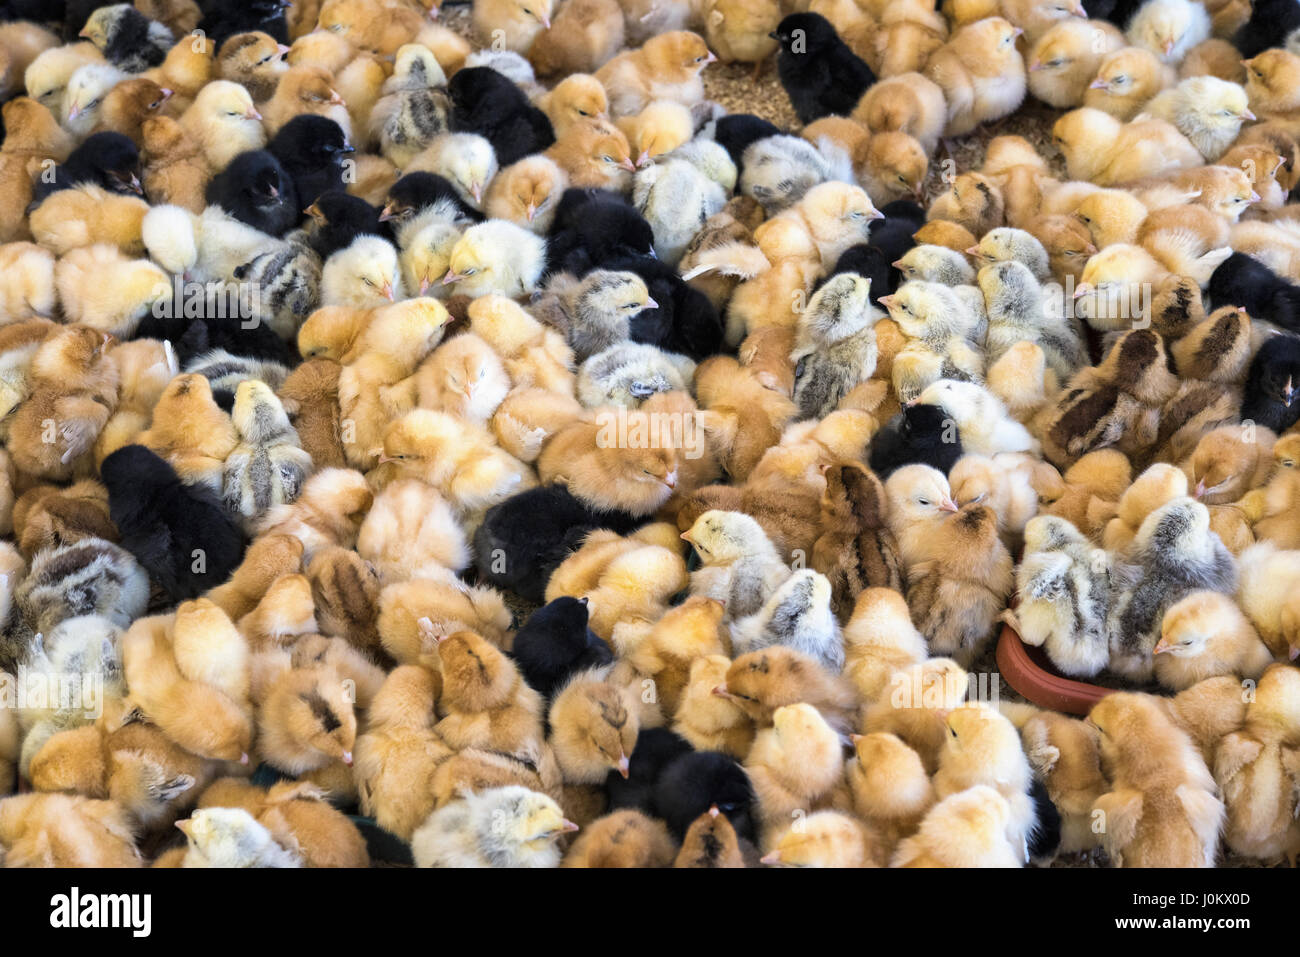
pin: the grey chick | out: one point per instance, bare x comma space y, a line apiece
269, 466
1064, 584
835, 346
594, 312
500, 827
629, 373
231, 837
799, 616
1174, 553
738, 562
281, 287
413, 108
1018, 311
88, 577
225, 370
778, 170
939, 264
676, 199
1008, 244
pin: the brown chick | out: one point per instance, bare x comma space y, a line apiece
174, 169
129, 104
856, 549
1228, 462
635, 480
710, 841
413, 613
796, 766
1161, 810
328, 511
73, 383
981, 73
594, 727
741, 417
527, 193
915, 708
682, 635
305, 90
1271, 84
1205, 635
33, 142
942, 232
625, 838
576, 99
185, 70
1064, 755
594, 153
826, 839
485, 702
255, 61
47, 516
762, 681
889, 784
906, 103
583, 36
1257, 769
191, 431
268, 558
712, 722
398, 752
310, 397
298, 817
973, 201
306, 725
59, 830
665, 67
285, 613
196, 715
1125, 80
345, 593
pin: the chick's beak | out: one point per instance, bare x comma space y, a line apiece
643, 158
1035, 67
252, 114
1168, 47
628, 165
623, 765
388, 291
1082, 290
710, 59
650, 304
386, 214
476, 190
424, 286
567, 825
347, 758
1199, 490
531, 211
886, 301
1294, 653
1098, 84
772, 857
335, 99
948, 505
74, 112
450, 278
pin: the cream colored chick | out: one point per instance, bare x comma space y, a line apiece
930, 263
1205, 109
512, 24
966, 829
739, 564
1169, 28
795, 765
1101, 149
594, 727
496, 257
412, 532
106, 290
231, 837
938, 325
890, 788
463, 377
466, 160
1205, 635
1161, 810
364, 275
981, 73
798, 615
919, 497
224, 122
825, 839
500, 827
85, 94
459, 459
1002, 482
879, 639
1126, 80
676, 199
980, 417
1257, 768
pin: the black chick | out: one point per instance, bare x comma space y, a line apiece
555, 642
1118, 12
76, 13
255, 189
132, 42
736, 132
192, 336
523, 539
488, 103
592, 226
819, 72
869, 263
222, 19
108, 160
338, 218
1272, 396
417, 191
37, 11
684, 320
1242, 280
312, 150
893, 233
918, 434
1271, 21
655, 749
179, 533
690, 784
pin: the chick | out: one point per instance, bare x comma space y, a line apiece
635, 477
1161, 810
1064, 755
122, 292
825, 839
223, 122
191, 431
1203, 635
499, 827
856, 549
739, 564
835, 346
594, 313
58, 830
584, 36
1176, 553
1169, 28
466, 160
496, 257
1205, 109
1101, 149
981, 73
516, 23
463, 377
1252, 765
269, 466
710, 842
231, 837
329, 511
798, 615
86, 215
981, 420
623, 839
762, 681
484, 701
306, 721
1064, 584
966, 829
255, 61
936, 323
1126, 80
794, 765
1064, 60
594, 726
1004, 483
906, 103
665, 67
811, 53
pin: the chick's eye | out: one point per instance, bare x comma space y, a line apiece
583, 113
